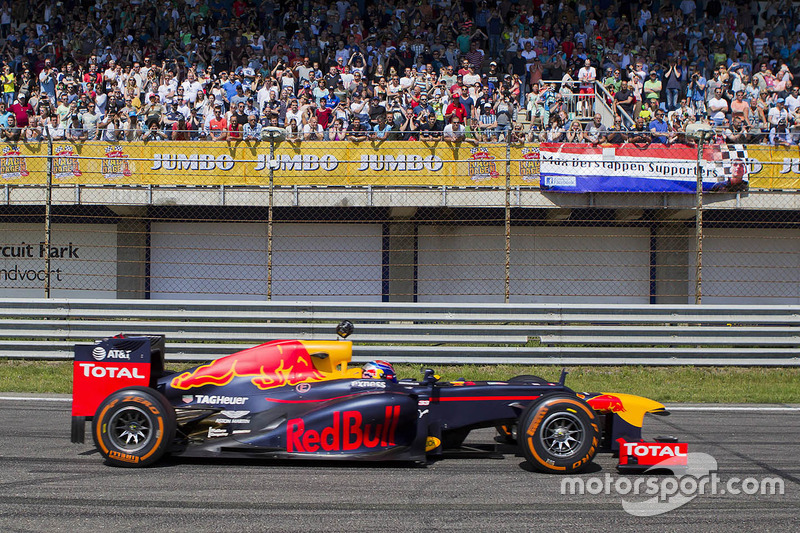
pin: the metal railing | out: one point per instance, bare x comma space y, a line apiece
560, 334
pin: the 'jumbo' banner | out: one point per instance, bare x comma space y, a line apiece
564, 167
338, 163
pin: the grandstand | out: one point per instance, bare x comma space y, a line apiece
589, 151
323, 69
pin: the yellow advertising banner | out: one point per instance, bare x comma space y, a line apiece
341, 163
335, 163
774, 167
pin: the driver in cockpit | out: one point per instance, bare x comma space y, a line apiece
378, 370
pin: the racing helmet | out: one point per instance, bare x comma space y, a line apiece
378, 370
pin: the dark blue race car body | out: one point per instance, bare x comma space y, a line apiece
299, 399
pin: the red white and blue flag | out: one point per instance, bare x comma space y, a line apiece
633, 168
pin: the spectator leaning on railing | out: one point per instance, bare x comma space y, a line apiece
369, 59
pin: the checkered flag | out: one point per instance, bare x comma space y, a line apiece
735, 169
732, 153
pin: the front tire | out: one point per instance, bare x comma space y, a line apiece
134, 427
507, 433
559, 434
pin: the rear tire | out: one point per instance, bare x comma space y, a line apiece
559, 434
134, 427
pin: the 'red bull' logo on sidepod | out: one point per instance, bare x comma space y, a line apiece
346, 433
606, 402
271, 365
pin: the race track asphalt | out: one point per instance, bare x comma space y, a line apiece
49, 484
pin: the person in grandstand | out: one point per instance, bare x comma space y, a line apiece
75, 131
586, 76
154, 133
718, 107
575, 132
312, 131
677, 131
595, 132
218, 125
639, 134
658, 126
779, 134
235, 128
253, 129
778, 113
11, 133
21, 110
454, 132
431, 129
555, 131
624, 100
110, 128
356, 132
410, 127
617, 133
380, 132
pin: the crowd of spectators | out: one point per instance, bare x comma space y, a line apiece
455, 70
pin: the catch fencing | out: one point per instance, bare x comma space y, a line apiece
508, 219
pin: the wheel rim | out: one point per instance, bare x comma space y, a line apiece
130, 429
562, 434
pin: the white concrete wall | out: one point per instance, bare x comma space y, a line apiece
84, 264
756, 266
328, 262
310, 261
548, 264
203, 260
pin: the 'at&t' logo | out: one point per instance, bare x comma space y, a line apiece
346, 433
482, 165
12, 164
100, 353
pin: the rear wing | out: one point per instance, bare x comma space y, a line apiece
108, 365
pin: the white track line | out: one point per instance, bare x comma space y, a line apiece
34, 399
669, 408
731, 408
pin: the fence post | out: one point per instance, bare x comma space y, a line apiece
48, 204
269, 214
698, 225
507, 286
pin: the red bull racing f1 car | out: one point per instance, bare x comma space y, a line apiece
301, 399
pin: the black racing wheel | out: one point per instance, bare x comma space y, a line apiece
507, 433
559, 434
134, 427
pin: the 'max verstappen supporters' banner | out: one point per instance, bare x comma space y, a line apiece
662, 168
564, 167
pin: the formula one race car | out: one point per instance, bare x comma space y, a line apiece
299, 399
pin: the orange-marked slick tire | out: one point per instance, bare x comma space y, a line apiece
134, 427
559, 434
508, 432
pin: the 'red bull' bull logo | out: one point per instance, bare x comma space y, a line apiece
346, 433
271, 365
606, 403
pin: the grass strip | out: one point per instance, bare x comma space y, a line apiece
665, 384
